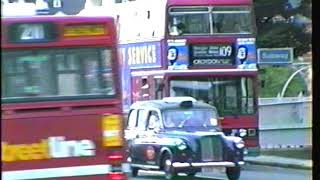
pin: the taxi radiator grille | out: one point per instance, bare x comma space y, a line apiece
211, 148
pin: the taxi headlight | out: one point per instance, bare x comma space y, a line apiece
240, 144
181, 145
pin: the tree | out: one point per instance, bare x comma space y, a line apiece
288, 32
273, 79
282, 23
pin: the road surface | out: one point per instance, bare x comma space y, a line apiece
250, 172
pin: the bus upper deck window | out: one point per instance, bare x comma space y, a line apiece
210, 20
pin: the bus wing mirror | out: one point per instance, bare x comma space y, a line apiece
220, 119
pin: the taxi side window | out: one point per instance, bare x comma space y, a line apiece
132, 120
142, 119
154, 120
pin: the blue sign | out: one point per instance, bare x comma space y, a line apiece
141, 55
275, 56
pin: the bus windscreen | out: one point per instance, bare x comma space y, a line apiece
50, 74
210, 20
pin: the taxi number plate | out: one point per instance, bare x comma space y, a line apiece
213, 170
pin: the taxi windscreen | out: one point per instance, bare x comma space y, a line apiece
179, 118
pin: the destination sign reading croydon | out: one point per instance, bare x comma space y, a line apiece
211, 55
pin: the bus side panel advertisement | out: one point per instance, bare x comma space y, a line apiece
246, 52
48, 142
178, 54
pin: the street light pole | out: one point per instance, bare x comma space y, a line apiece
290, 78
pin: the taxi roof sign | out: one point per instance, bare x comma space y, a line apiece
179, 99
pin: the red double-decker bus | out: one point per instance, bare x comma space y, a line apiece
200, 48
61, 111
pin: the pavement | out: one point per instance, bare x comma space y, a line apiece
279, 162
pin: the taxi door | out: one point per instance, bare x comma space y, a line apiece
135, 133
152, 141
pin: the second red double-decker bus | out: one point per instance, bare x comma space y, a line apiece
200, 48
61, 111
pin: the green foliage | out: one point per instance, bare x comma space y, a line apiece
284, 35
273, 80
268, 8
281, 34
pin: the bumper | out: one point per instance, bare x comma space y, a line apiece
207, 164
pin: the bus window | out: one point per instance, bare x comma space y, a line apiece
230, 95
57, 72
231, 20
210, 20
189, 21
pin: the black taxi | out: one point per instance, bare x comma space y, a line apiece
180, 135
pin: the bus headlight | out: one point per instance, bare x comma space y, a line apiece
112, 131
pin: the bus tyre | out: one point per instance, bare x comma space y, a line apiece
169, 171
233, 173
134, 171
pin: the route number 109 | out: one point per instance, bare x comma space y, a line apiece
225, 51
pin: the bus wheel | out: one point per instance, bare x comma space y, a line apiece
167, 167
233, 173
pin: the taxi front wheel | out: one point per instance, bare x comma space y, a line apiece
134, 171
233, 173
169, 171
